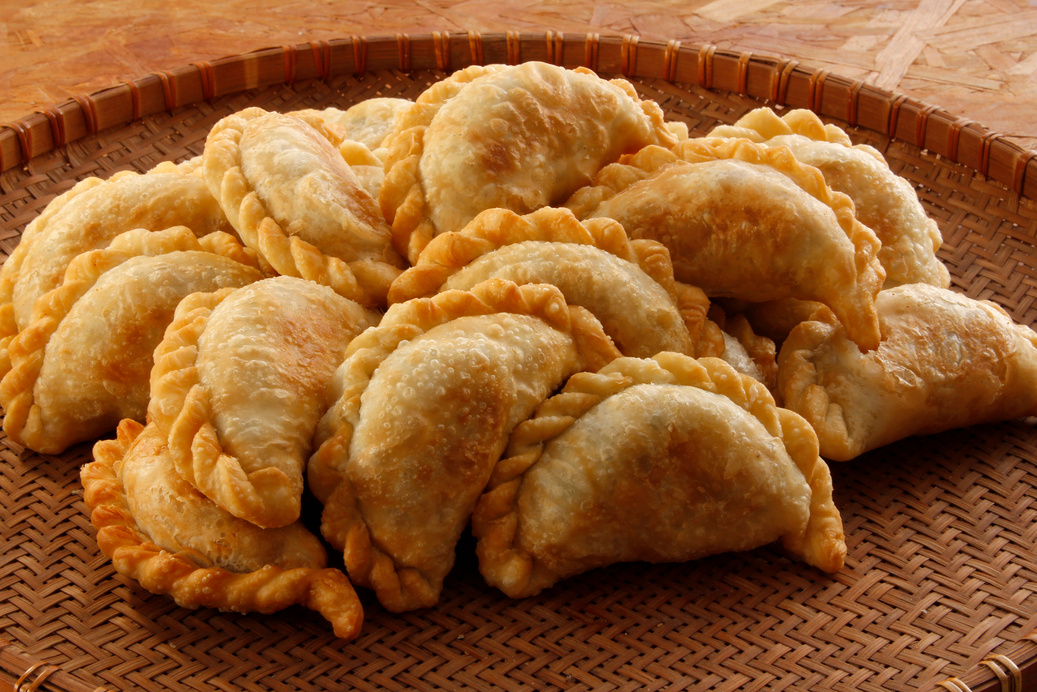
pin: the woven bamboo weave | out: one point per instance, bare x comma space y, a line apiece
940, 587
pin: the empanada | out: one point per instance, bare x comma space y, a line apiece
239, 385
425, 403
342, 128
884, 202
744, 221
368, 121
628, 286
294, 199
161, 532
83, 361
660, 460
750, 353
518, 137
945, 361
87, 217
773, 319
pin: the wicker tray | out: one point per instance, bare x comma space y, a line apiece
940, 585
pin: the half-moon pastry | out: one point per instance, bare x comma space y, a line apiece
773, 319
239, 385
426, 401
945, 361
367, 122
628, 286
750, 353
161, 532
661, 460
357, 133
884, 201
293, 198
748, 222
518, 137
83, 362
87, 217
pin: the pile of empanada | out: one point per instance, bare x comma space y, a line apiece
523, 304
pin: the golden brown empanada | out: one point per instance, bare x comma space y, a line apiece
773, 319
744, 221
515, 137
365, 165
945, 361
294, 199
191, 166
660, 460
367, 122
239, 385
87, 217
750, 353
161, 532
365, 161
83, 361
425, 403
628, 286
884, 202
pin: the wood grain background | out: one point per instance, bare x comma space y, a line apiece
975, 58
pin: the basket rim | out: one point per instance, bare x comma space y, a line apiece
779, 81
784, 82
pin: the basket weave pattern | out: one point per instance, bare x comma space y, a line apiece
940, 586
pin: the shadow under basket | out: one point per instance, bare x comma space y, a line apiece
939, 591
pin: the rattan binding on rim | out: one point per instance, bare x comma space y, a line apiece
38, 675
784, 82
941, 592
1008, 676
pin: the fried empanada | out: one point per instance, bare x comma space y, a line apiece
425, 403
628, 286
744, 221
773, 319
515, 137
750, 353
884, 201
158, 530
945, 361
293, 198
87, 217
239, 385
661, 460
83, 361
367, 122
342, 129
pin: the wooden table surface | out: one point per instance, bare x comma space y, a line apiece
975, 58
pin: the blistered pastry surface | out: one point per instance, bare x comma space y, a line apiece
946, 361
503, 242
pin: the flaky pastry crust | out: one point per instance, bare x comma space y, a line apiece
224, 563
627, 285
87, 217
368, 122
774, 319
945, 361
339, 127
293, 198
425, 402
83, 361
883, 201
746, 221
663, 459
238, 386
750, 353
515, 137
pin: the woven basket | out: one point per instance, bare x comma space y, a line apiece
940, 586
